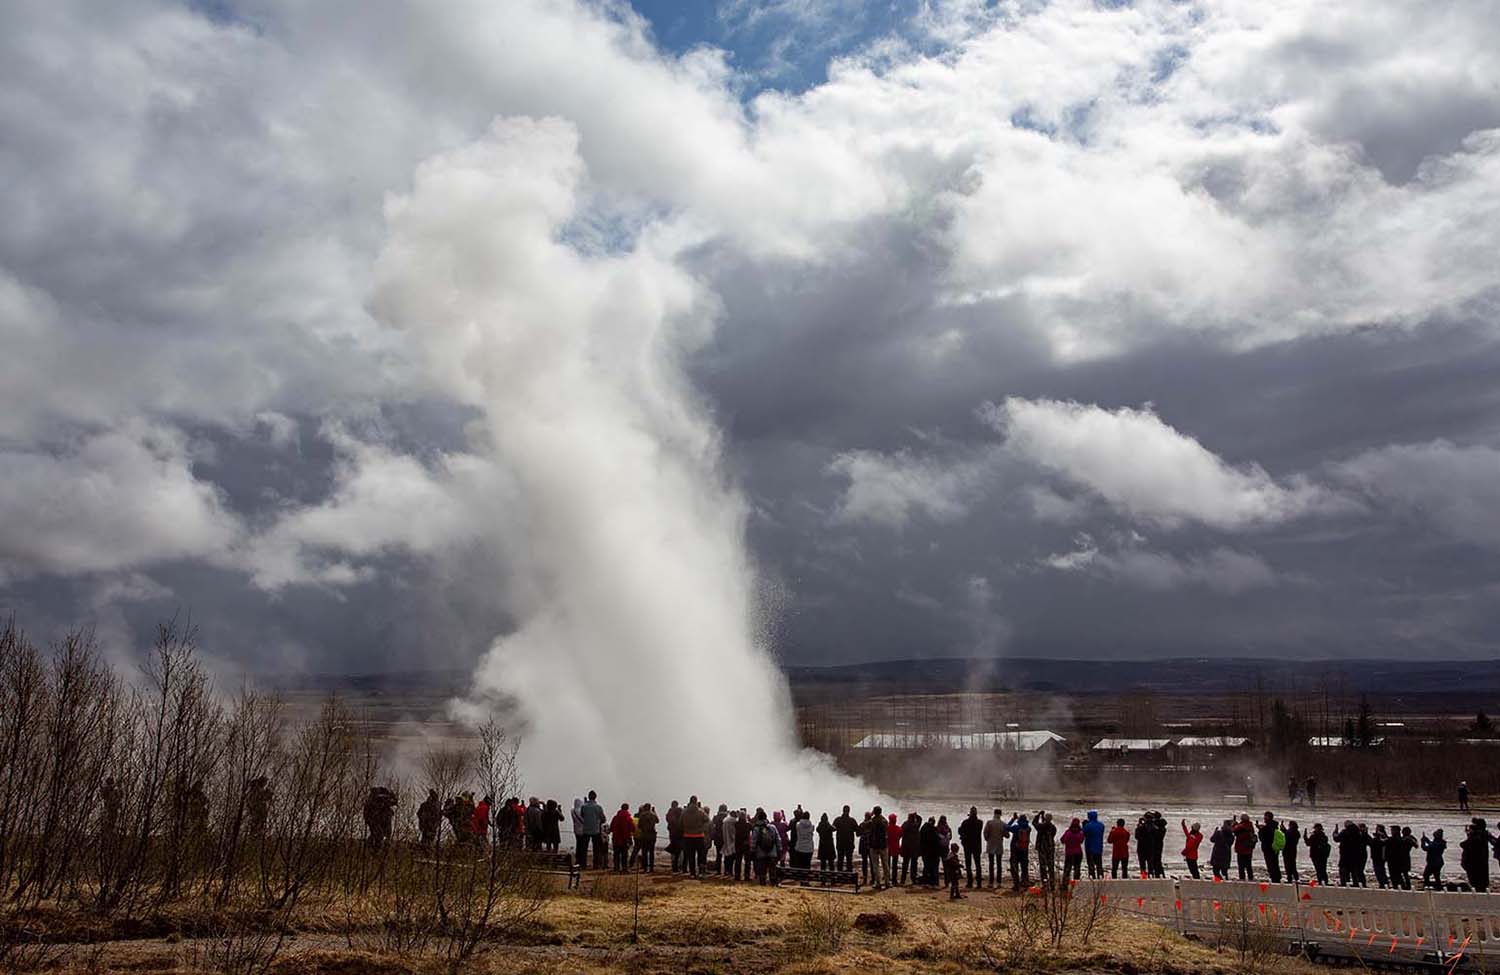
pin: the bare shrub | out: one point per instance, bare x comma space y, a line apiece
1251, 935
486, 894
166, 747
254, 732
23, 950
1013, 942
315, 807
154, 795
821, 923
243, 945
60, 736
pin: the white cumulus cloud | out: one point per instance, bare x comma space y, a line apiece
116, 500
1145, 468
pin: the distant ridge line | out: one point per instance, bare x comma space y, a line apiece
1174, 675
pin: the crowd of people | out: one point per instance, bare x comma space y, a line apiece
1389, 854
886, 850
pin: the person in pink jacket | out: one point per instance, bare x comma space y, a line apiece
1072, 844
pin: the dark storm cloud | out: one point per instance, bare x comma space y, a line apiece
1263, 258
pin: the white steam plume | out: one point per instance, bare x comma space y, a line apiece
636, 664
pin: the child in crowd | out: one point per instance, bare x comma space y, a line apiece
954, 866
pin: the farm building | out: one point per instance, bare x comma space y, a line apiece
1028, 742
1133, 747
1214, 744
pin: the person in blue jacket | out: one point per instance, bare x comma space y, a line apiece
1093, 844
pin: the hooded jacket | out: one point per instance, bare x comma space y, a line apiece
1074, 840
1020, 835
1093, 834
825, 839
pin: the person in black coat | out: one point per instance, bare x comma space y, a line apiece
1475, 856
1398, 856
1158, 844
826, 848
1352, 846
930, 844
1268, 851
971, 837
1221, 847
1378, 843
911, 848
844, 828
1318, 849
1289, 852
1142, 832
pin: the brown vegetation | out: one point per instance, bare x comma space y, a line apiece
132, 809
156, 826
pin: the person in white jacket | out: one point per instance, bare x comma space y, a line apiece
994, 845
726, 839
804, 840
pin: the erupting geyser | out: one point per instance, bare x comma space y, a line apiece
636, 664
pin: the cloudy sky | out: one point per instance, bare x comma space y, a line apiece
1074, 328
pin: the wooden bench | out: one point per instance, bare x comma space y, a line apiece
557, 863
821, 878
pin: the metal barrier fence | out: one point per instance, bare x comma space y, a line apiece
1389, 919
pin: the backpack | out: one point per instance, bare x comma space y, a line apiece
765, 841
1278, 841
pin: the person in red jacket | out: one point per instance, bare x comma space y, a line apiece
479, 823
893, 842
1194, 838
519, 838
1119, 851
621, 834
1244, 847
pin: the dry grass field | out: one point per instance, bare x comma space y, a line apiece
633, 925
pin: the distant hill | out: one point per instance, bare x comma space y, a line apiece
1177, 675
952, 675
